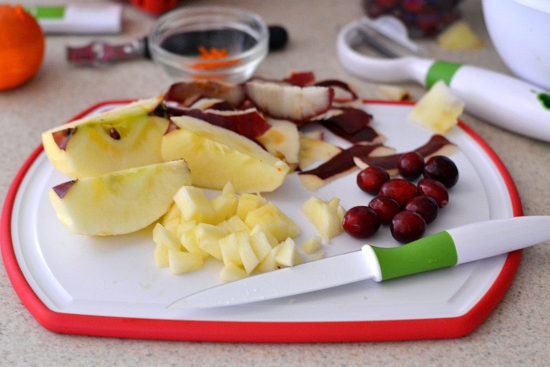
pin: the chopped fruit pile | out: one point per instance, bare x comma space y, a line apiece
149, 162
247, 233
400, 203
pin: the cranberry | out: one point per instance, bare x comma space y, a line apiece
385, 207
407, 226
442, 169
371, 179
361, 222
434, 189
410, 165
424, 205
399, 189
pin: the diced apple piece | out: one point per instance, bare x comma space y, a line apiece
194, 205
119, 202
311, 245
268, 263
318, 256
166, 238
115, 140
185, 226
289, 102
314, 150
270, 238
323, 216
184, 262
208, 237
260, 244
272, 219
459, 36
438, 110
236, 224
248, 256
171, 220
393, 93
224, 205
161, 256
216, 155
188, 240
230, 250
287, 253
231, 272
248, 203
282, 140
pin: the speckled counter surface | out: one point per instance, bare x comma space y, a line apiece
516, 333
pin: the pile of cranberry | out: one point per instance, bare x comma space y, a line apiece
403, 205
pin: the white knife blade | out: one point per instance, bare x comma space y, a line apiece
447, 248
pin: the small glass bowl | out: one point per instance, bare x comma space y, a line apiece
209, 43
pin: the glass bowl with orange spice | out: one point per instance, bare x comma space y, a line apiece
209, 43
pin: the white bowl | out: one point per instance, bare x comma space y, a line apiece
519, 30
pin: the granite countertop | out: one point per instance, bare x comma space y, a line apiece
516, 333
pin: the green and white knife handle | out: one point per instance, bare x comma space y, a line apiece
457, 246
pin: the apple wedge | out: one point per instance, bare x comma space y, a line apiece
125, 137
216, 156
119, 202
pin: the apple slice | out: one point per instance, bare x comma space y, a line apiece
216, 156
282, 140
119, 202
289, 102
125, 137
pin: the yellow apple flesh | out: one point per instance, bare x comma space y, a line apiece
119, 202
115, 140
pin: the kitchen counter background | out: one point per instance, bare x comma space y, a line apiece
516, 333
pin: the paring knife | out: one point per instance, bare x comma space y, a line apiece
447, 248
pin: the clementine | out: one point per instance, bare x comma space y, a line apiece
22, 46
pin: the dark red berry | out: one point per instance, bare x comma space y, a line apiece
407, 226
361, 222
385, 207
399, 189
424, 205
410, 165
442, 169
434, 189
371, 179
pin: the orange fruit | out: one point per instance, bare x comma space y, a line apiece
22, 46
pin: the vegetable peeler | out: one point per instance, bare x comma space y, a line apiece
499, 99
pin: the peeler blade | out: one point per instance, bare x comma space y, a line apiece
99, 53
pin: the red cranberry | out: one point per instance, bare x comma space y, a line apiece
385, 207
442, 169
407, 226
410, 165
361, 222
399, 189
424, 205
434, 189
371, 179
